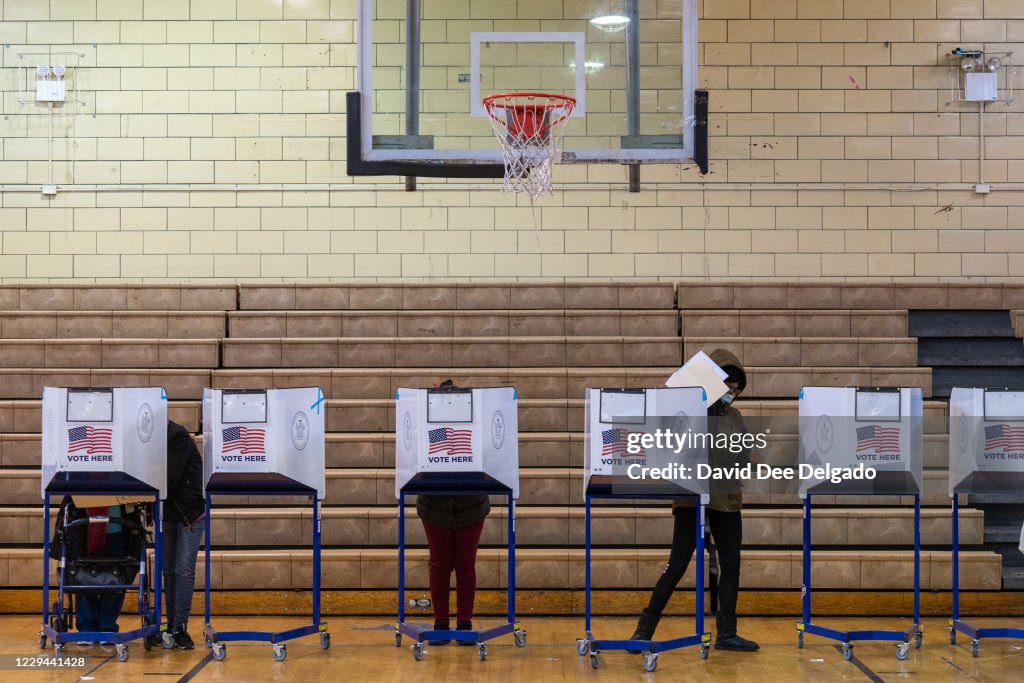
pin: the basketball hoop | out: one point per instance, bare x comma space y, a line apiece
529, 126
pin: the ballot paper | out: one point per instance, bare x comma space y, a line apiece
701, 371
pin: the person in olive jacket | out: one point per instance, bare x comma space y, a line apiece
723, 517
182, 530
453, 525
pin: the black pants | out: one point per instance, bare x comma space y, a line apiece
727, 530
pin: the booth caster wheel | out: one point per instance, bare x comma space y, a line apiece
280, 652
520, 637
219, 651
800, 640
122, 652
902, 650
918, 640
975, 647
847, 651
58, 649
705, 650
595, 661
650, 661
952, 636
167, 640
325, 641
398, 640
417, 651
582, 646
482, 649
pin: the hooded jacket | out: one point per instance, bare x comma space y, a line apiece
726, 495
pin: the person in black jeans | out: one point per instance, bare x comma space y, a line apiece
182, 530
723, 517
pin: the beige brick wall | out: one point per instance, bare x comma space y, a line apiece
835, 154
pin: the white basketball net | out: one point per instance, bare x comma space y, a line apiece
529, 127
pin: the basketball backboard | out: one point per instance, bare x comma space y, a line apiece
426, 65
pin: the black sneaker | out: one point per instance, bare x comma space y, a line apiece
737, 644
465, 626
183, 641
440, 625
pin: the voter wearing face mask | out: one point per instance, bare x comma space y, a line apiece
723, 518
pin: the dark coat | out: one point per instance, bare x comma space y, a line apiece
453, 512
184, 476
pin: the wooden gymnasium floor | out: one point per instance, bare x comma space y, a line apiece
363, 650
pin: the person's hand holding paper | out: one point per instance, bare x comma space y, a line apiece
701, 371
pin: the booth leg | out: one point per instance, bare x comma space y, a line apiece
401, 560
955, 517
512, 560
917, 569
805, 591
586, 566
46, 568
699, 598
157, 573
206, 568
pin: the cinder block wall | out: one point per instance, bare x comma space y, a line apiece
836, 154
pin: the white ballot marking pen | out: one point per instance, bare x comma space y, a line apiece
265, 442
986, 456
860, 441
452, 441
103, 447
646, 444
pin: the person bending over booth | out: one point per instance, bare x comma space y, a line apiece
723, 517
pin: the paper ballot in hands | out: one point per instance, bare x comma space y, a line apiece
701, 371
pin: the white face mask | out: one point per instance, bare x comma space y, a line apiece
727, 399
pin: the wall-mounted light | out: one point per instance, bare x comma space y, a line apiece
612, 23
43, 70
58, 71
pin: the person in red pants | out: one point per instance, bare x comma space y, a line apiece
453, 525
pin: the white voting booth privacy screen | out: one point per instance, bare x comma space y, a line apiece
465, 438
860, 441
986, 441
266, 439
104, 440
666, 466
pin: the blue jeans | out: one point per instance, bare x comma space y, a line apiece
99, 611
180, 547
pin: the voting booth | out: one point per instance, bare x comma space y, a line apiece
860, 441
457, 441
105, 440
856, 441
616, 453
986, 456
268, 439
646, 444
102, 447
457, 438
265, 442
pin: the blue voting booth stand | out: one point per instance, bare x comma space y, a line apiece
983, 459
102, 447
451, 442
610, 414
841, 427
264, 442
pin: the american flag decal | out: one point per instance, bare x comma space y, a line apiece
1004, 436
879, 439
89, 439
245, 440
451, 441
614, 444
